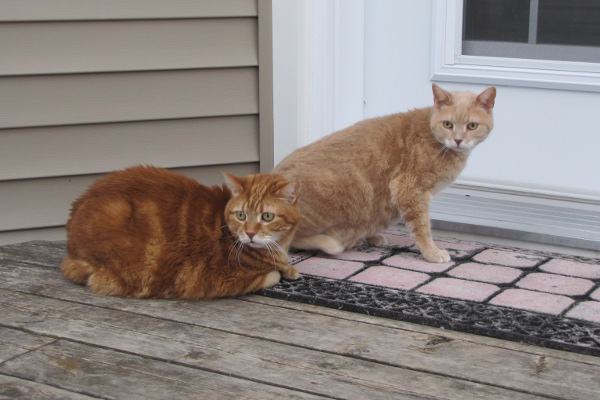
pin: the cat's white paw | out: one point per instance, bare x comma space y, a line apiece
437, 256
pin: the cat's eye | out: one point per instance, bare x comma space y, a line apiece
472, 126
240, 215
448, 124
268, 217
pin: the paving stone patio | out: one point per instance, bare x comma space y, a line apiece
530, 280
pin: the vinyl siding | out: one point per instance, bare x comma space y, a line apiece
90, 87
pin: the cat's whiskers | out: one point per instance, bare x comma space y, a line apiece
240, 248
237, 245
442, 151
275, 249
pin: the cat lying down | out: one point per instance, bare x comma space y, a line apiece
150, 232
365, 178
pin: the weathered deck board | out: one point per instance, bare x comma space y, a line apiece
58, 340
87, 369
17, 389
226, 353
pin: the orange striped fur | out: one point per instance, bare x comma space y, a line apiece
150, 232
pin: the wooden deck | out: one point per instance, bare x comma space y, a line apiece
59, 341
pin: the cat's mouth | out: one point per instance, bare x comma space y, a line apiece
255, 245
254, 242
460, 147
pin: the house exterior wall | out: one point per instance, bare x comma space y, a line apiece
542, 144
87, 89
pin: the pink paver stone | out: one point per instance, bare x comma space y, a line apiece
398, 239
486, 273
416, 263
328, 268
572, 268
533, 301
364, 253
556, 284
588, 310
457, 249
507, 258
595, 294
459, 289
391, 277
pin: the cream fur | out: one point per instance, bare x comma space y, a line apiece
363, 179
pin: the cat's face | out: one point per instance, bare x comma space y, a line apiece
462, 120
263, 212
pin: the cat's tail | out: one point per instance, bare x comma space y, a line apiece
76, 270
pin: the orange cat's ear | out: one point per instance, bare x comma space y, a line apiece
440, 96
289, 192
487, 98
233, 183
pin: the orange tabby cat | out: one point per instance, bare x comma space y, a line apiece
150, 232
364, 178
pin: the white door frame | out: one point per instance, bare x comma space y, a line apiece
318, 71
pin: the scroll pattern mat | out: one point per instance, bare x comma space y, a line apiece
540, 298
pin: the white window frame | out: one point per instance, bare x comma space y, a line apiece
450, 65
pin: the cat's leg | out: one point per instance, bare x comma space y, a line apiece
265, 281
105, 282
255, 283
416, 216
377, 240
76, 270
325, 243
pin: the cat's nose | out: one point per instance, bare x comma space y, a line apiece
458, 142
250, 234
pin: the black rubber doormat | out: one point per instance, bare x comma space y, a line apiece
572, 283
471, 317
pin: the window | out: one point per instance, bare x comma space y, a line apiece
534, 29
542, 43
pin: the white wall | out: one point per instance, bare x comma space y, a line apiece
543, 140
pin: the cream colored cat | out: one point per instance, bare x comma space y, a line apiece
362, 179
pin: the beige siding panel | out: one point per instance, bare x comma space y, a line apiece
105, 46
86, 149
127, 96
43, 203
36, 10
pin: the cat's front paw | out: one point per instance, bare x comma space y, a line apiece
291, 273
437, 256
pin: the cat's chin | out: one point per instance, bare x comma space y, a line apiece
255, 244
459, 149
463, 150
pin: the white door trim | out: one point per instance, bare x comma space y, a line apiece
318, 71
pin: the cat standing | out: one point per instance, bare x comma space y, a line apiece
150, 232
362, 179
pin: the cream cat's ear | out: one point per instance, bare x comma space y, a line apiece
440, 96
289, 192
487, 98
233, 183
